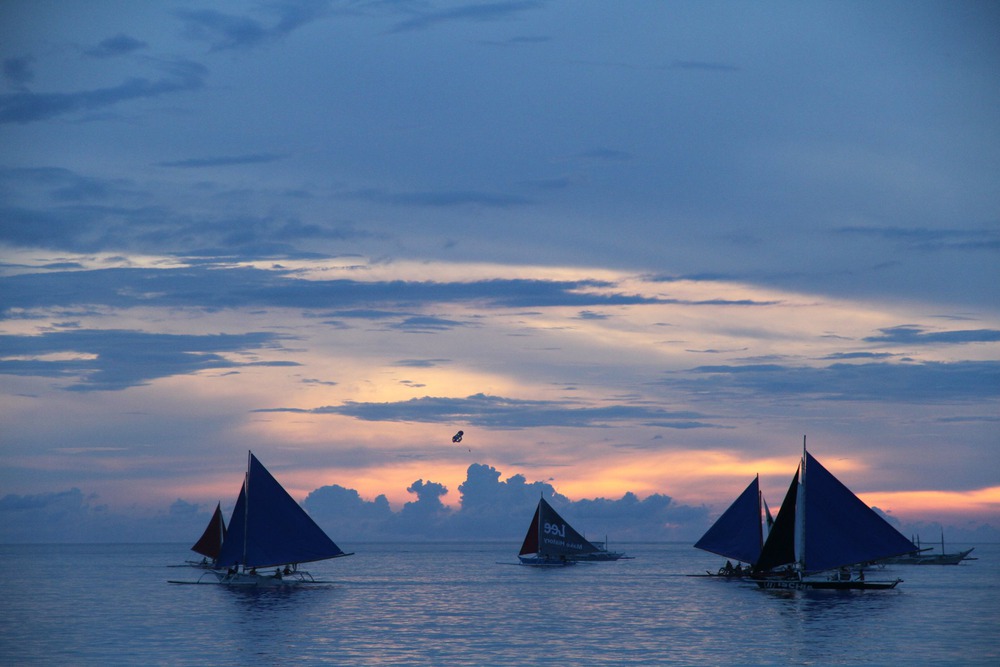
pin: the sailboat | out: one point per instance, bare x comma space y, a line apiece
210, 542
269, 529
739, 533
551, 541
822, 530
925, 556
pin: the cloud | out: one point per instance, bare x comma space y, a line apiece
505, 413
478, 12
495, 509
27, 107
913, 335
120, 44
105, 360
342, 512
489, 509
74, 517
18, 71
426, 324
441, 199
223, 161
877, 382
420, 363
703, 66
211, 287
228, 31
923, 238
842, 356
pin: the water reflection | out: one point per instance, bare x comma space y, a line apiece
452, 604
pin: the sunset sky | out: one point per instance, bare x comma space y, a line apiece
625, 247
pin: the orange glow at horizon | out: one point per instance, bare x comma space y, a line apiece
937, 505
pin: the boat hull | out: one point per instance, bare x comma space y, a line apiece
600, 557
545, 561
248, 580
928, 559
824, 584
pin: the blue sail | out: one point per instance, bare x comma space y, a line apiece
737, 532
842, 529
268, 528
822, 525
550, 535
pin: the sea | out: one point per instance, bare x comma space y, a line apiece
471, 604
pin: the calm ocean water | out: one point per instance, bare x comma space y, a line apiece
452, 604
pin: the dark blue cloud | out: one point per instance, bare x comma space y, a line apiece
508, 413
223, 161
426, 324
27, 107
18, 71
58, 184
114, 360
926, 382
704, 66
82, 214
75, 517
913, 335
441, 199
859, 355
212, 288
928, 239
420, 363
228, 31
120, 44
483, 11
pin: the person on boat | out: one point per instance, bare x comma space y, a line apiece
253, 571
234, 569
277, 573
728, 569
288, 569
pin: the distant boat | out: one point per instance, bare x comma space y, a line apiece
823, 531
922, 556
602, 554
210, 542
739, 533
269, 529
550, 541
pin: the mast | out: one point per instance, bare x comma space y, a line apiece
246, 513
800, 515
222, 526
760, 513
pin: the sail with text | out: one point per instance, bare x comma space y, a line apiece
269, 528
549, 536
738, 533
822, 526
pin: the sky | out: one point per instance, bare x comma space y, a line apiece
635, 251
